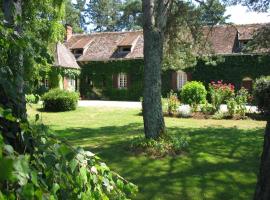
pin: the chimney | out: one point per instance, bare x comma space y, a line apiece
68, 32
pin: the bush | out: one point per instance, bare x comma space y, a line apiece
167, 145
219, 93
232, 106
193, 93
262, 93
32, 98
60, 100
173, 103
207, 109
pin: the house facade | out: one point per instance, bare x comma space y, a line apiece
65, 72
111, 63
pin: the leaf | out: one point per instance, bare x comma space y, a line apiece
6, 165
28, 191
55, 188
34, 178
73, 164
8, 149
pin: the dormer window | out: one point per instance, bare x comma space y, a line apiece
124, 49
77, 52
243, 44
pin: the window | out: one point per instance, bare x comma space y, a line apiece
77, 52
71, 82
124, 49
122, 80
46, 83
181, 79
242, 44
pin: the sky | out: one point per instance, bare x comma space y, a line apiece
241, 15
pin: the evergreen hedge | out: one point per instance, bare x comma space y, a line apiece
60, 100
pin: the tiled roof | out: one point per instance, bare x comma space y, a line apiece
246, 31
64, 58
222, 39
104, 46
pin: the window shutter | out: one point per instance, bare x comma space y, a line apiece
174, 80
115, 80
128, 80
189, 76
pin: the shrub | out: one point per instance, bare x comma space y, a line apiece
32, 98
53, 169
207, 109
60, 100
173, 103
242, 99
193, 93
220, 92
262, 93
167, 145
231, 105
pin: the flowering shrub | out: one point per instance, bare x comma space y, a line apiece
193, 93
220, 92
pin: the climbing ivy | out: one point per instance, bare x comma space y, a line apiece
97, 82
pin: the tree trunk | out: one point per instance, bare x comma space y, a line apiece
263, 186
155, 15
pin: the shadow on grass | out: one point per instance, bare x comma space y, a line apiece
221, 164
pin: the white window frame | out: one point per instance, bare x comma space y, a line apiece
181, 79
71, 83
122, 81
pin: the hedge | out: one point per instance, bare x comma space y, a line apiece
60, 100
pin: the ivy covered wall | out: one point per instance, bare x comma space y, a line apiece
97, 77
233, 69
97, 80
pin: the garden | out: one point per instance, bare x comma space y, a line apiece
204, 159
219, 101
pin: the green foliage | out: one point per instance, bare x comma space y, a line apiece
261, 93
207, 108
60, 100
172, 103
231, 105
231, 69
55, 170
73, 16
97, 80
32, 98
219, 93
193, 93
166, 145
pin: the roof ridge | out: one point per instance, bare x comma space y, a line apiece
101, 33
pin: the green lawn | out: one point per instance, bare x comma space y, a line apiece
221, 164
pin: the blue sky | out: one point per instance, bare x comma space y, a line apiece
241, 15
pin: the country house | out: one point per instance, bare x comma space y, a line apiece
111, 63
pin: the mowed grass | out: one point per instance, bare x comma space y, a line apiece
221, 164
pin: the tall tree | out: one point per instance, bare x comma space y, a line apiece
103, 15
155, 18
131, 18
73, 14
26, 32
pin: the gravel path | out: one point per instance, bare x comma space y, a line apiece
112, 104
